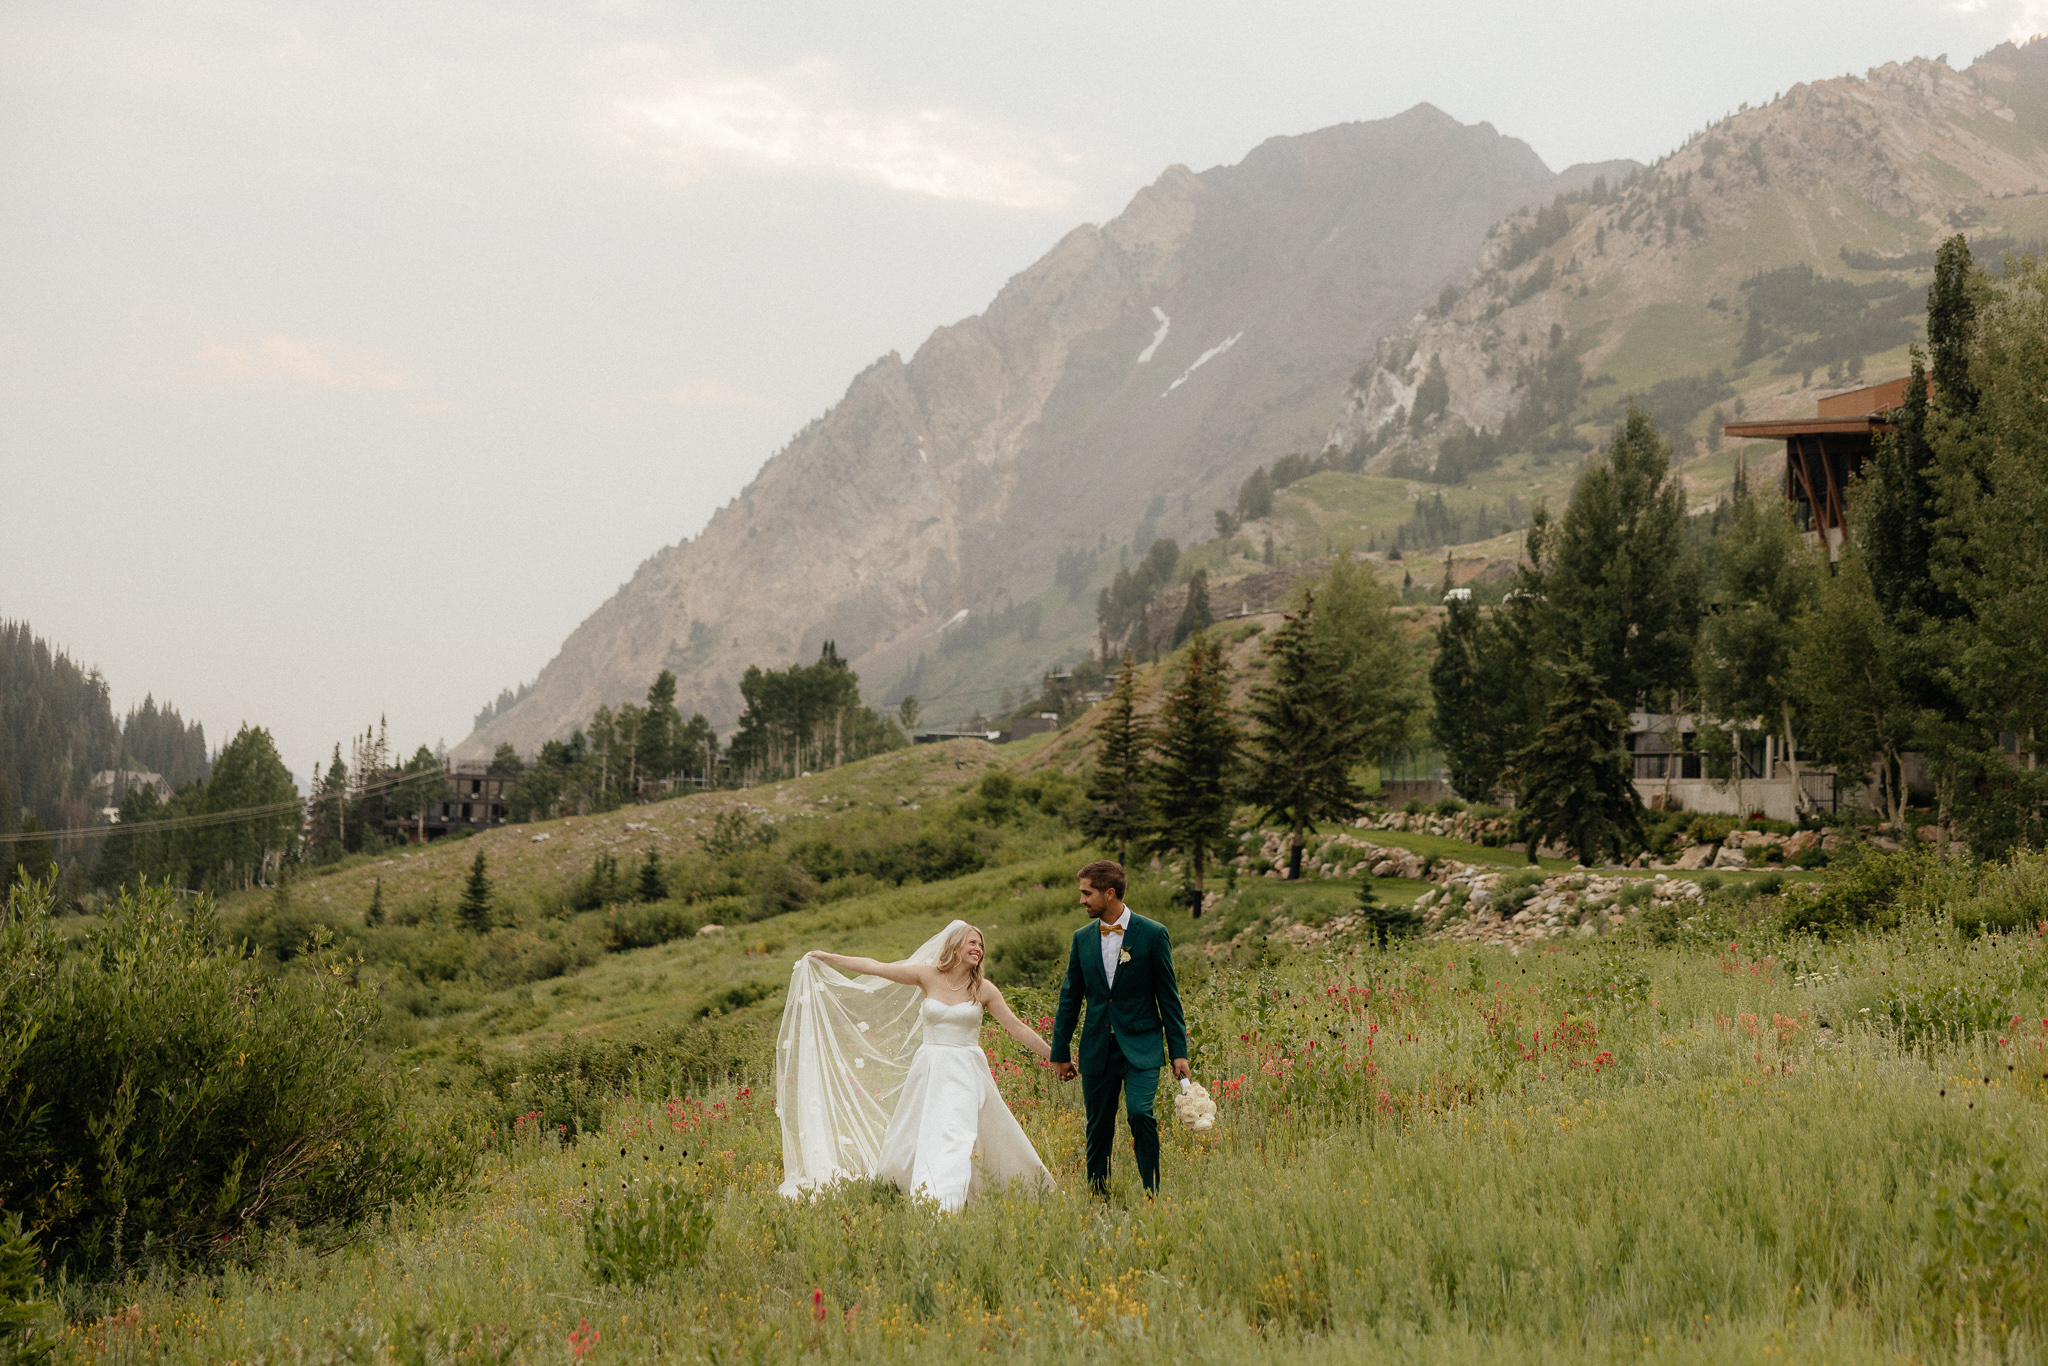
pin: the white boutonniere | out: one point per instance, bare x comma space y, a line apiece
1124, 957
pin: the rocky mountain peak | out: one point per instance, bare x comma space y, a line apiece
1135, 372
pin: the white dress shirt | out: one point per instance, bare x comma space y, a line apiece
1113, 944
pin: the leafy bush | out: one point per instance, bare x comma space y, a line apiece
889, 853
1991, 1247
1863, 895
1031, 956
2009, 896
1943, 1011
568, 1084
27, 1325
645, 926
1386, 924
734, 831
776, 884
161, 1096
735, 998
632, 1239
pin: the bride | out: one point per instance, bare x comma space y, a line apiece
882, 1074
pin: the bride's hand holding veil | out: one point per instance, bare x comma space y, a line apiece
928, 977
909, 974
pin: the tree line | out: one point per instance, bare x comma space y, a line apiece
1922, 637
1338, 694
796, 719
58, 730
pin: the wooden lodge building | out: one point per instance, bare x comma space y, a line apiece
1824, 452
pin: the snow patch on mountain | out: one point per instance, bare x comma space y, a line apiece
1165, 325
1211, 354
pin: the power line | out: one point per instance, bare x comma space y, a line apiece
200, 820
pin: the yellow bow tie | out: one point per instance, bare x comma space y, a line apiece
1107, 930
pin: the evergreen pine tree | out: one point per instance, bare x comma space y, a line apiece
1383, 922
474, 911
1487, 691
375, 915
1119, 799
1307, 734
34, 854
652, 886
1195, 616
1576, 780
1198, 761
658, 759
1615, 578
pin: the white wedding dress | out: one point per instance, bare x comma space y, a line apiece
874, 1079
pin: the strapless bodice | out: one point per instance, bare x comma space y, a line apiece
955, 1026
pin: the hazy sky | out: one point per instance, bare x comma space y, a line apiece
351, 354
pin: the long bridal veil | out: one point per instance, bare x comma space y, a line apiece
840, 1059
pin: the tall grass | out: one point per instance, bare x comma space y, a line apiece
1599, 1152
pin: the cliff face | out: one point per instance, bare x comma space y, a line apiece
1852, 178
1135, 373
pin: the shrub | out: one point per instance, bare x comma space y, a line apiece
1032, 956
27, 1325
1383, 923
776, 884
1865, 894
1991, 1260
567, 1085
735, 998
634, 1238
734, 831
162, 1096
2010, 896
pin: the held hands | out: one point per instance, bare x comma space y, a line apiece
1065, 1071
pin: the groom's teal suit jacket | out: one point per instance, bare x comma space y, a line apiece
1143, 1006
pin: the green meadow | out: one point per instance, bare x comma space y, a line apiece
1725, 1141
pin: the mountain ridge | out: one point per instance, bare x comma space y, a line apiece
1209, 326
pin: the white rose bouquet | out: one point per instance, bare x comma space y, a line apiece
1194, 1107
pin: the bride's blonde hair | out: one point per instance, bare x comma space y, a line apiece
949, 954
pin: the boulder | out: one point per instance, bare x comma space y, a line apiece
1801, 842
1929, 834
1731, 858
1699, 856
1386, 867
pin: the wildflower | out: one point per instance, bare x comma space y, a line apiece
582, 1339
817, 1304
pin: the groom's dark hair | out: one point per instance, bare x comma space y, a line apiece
1107, 875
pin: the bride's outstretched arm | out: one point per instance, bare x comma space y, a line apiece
910, 974
1014, 1027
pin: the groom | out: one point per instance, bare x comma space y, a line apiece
1122, 965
